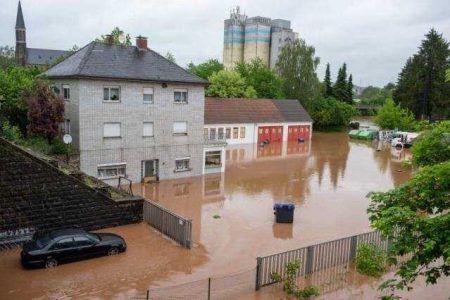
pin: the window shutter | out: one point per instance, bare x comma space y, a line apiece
148, 129
111, 130
179, 127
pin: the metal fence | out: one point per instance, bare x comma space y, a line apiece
168, 223
316, 257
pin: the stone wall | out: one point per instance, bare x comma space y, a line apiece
38, 196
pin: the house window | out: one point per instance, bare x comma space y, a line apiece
213, 159
212, 134
220, 134
180, 96
180, 128
66, 128
111, 130
148, 96
242, 135
111, 94
66, 92
148, 129
228, 133
109, 171
181, 164
55, 90
235, 132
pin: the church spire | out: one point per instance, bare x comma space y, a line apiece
20, 24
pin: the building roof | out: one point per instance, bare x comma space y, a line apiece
37, 56
20, 23
239, 111
101, 60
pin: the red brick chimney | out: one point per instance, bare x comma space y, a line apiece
141, 43
109, 39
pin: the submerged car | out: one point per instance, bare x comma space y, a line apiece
69, 245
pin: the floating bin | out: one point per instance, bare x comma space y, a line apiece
354, 133
284, 213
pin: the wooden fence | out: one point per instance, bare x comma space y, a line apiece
168, 223
316, 257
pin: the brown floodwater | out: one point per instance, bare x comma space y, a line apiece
327, 179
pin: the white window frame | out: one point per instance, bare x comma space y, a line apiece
64, 88
112, 136
186, 99
143, 129
178, 132
113, 166
66, 126
186, 168
109, 94
145, 91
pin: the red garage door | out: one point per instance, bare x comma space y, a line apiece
298, 131
270, 133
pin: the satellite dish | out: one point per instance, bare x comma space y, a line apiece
67, 138
122, 38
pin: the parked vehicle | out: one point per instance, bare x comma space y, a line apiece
69, 245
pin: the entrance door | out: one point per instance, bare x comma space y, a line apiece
150, 170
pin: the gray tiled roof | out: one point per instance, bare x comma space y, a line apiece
42, 56
100, 60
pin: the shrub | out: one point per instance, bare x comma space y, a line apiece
308, 292
432, 146
392, 116
329, 112
38, 144
11, 133
370, 260
58, 147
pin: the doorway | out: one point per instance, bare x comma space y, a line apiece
150, 170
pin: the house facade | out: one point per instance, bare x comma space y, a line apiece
131, 112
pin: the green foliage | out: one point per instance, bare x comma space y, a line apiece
11, 133
376, 96
297, 66
229, 84
308, 292
7, 57
58, 147
14, 82
349, 98
170, 57
206, 69
433, 145
116, 34
422, 86
276, 277
415, 217
37, 144
328, 112
340, 88
392, 116
370, 260
327, 88
266, 82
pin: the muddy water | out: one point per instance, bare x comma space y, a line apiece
233, 222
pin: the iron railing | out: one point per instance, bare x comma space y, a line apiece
128, 187
172, 225
316, 257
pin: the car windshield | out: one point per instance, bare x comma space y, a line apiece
41, 243
93, 237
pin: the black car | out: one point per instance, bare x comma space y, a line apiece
68, 245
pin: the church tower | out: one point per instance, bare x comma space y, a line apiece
21, 42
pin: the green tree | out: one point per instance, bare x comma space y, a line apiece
349, 99
340, 91
415, 217
117, 35
7, 57
329, 112
265, 81
328, 89
229, 84
433, 145
422, 86
170, 57
297, 66
206, 69
392, 116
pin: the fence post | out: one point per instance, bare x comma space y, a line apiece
148, 295
309, 259
353, 245
258, 272
209, 288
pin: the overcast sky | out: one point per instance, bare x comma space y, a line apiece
373, 37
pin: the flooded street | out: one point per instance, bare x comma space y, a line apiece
233, 222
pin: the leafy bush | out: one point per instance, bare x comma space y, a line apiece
308, 292
392, 116
38, 144
58, 147
11, 133
432, 146
329, 112
370, 260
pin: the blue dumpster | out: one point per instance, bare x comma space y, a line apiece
284, 212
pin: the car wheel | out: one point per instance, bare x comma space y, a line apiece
51, 263
113, 251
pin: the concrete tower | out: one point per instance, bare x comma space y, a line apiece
233, 43
257, 39
21, 41
282, 35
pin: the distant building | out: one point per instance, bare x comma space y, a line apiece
31, 56
257, 37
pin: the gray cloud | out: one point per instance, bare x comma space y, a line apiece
374, 37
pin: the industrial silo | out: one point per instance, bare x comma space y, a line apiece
257, 39
233, 44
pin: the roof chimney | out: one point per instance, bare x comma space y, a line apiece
109, 39
141, 43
